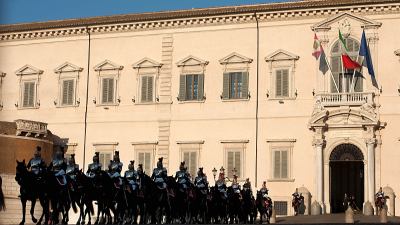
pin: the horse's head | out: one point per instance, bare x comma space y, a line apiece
21, 170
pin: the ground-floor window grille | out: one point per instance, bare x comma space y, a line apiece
281, 208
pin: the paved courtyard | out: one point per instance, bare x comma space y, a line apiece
332, 218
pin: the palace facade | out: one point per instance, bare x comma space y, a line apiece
232, 86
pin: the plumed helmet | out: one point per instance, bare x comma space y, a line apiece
200, 172
182, 166
38, 151
131, 166
96, 157
160, 163
140, 168
116, 156
72, 159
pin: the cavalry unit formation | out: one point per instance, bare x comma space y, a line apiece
136, 197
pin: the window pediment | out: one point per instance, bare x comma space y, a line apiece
107, 65
281, 55
235, 58
192, 61
28, 70
326, 24
146, 63
67, 67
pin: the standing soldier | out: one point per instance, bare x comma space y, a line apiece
131, 176
37, 164
94, 168
160, 174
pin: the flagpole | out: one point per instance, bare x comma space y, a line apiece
354, 71
329, 67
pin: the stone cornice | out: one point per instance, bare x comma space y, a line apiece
195, 18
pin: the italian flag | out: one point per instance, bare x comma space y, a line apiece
348, 63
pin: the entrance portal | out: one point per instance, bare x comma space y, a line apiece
346, 176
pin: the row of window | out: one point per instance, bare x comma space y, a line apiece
234, 155
191, 84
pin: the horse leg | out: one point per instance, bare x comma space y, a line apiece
33, 203
23, 202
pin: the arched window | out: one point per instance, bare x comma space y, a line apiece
342, 76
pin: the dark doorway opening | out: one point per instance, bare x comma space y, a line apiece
346, 176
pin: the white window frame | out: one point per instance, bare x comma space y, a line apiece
105, 148
67, 71
278, 60
107, 69
69, 149
281, 145
146, 67
139, 90
145, 147
28, 73
191, 146
235, 146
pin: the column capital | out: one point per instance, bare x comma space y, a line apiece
318, 142
370, 141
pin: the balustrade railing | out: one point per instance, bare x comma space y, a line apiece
338, 99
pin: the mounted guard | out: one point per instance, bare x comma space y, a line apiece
247, 186
115, 168
235, 185
37, 165
201, 182
58, 167
221, 184
132, 176
72, 167
182, 177
94, 168
160, 174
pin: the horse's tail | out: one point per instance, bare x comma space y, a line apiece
2, 203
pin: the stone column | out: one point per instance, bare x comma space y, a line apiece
371, 168
318, 146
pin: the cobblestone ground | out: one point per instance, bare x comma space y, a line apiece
332, 218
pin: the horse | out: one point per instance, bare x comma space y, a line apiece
59, 197
182, 200
249, 210
131, 195
31, 188
234, 204
2, 203
83, 195
199, 206
264, 206
218, 205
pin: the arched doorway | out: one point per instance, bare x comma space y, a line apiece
346, 176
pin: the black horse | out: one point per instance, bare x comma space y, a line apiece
234, 204
199, 205
249, 210
2, 203
218, 205
31, 188
264, 206
131, 212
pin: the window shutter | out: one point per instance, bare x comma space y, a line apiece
225, 91
231, 162
193, 163
277, 164
106, 91
147, 162
150, 82
111, 90
245, 85
200, 87
144, 89
285, 83
237, 164
284, 171
182, 88
278, 83
67, 92
26, 94
32, 92
186, 157
71, 91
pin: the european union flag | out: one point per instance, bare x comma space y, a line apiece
364, 52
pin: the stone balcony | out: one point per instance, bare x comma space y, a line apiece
345, 99
29, 128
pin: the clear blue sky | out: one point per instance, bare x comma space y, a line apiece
22, 11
